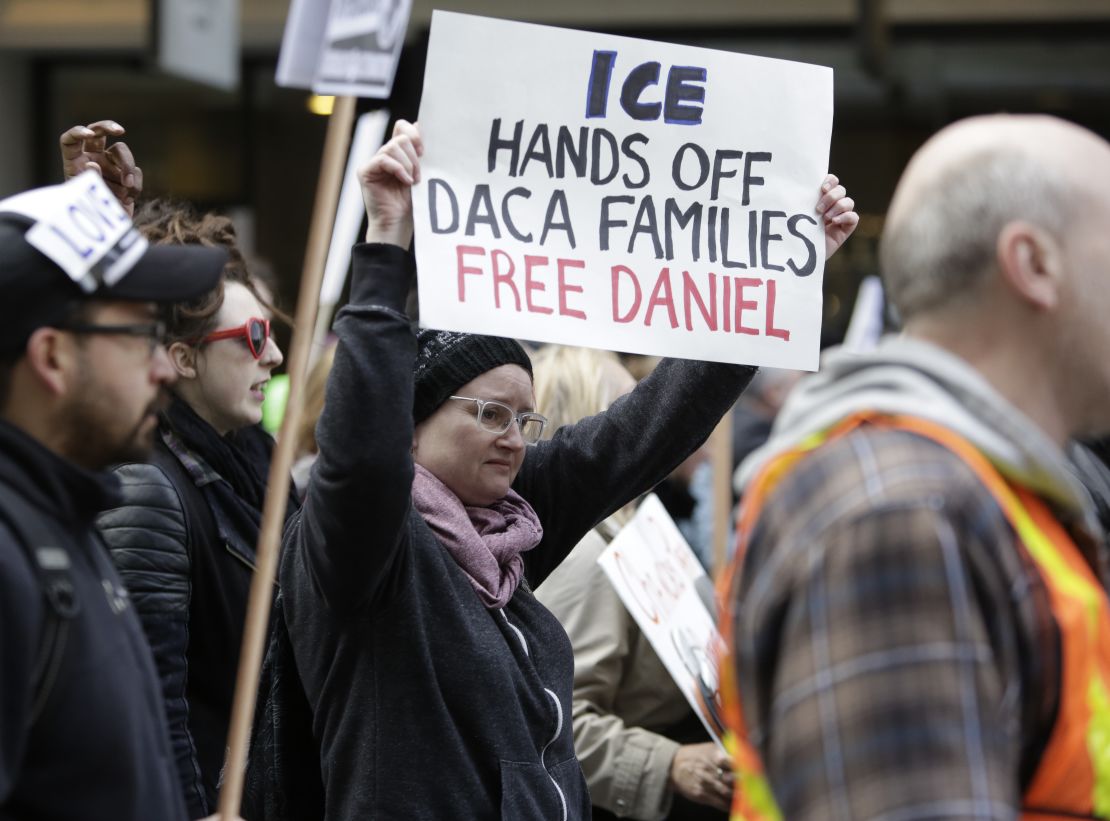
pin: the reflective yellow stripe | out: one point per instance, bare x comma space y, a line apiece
1098, 745
757, 792
755, 789
1069, 582
1044, 551
1072, 584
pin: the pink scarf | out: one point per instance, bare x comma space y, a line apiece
486, 542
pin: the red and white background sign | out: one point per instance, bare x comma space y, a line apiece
622, 194
663, 586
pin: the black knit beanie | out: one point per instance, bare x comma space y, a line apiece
446, 360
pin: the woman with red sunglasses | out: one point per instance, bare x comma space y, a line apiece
184, 539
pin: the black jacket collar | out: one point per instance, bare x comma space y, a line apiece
55, 485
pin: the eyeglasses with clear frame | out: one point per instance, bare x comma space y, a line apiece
153, 332
255, 331
496, 417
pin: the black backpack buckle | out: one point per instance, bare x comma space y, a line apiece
57, 581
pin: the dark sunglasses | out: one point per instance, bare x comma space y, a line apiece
256, 331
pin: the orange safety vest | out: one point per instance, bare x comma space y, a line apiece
1072, 779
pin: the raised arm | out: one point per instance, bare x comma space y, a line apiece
588, 470
352, 528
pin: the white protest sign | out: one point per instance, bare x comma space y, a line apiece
866, 325
348, 47
199, 40
658, 578
369, 131
598, 190
362, 44
301, 43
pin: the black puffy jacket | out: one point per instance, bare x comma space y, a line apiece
186, 555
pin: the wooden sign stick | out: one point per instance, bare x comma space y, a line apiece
277, 492
720, 444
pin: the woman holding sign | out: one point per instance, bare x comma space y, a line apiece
440, 688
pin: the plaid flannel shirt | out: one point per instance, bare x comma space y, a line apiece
896, 655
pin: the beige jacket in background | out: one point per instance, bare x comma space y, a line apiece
623, 696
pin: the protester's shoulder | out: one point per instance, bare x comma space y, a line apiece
163, 460
149, 529
147, 482
871, 471
873, 498
149, 493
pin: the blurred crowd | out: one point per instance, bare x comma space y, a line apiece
913, 608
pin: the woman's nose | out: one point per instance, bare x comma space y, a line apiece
513, 438
271, 354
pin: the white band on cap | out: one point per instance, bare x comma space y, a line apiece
82, 227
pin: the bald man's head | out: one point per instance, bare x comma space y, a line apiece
964, 186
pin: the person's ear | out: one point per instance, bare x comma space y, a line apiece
1031, 264
51, 356
184, 359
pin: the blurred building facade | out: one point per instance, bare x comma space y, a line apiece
903, 69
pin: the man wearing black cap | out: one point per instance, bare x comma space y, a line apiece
82, 369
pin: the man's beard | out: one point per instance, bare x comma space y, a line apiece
94, 438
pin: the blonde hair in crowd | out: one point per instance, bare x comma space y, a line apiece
573, 383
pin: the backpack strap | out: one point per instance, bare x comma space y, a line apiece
51, 565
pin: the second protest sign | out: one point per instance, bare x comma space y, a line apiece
598, 190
